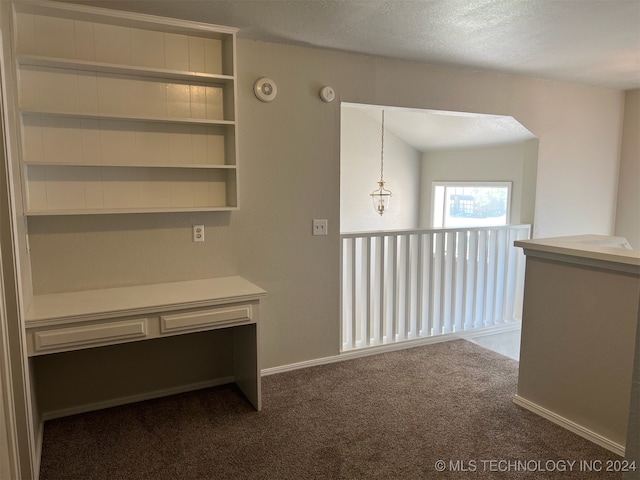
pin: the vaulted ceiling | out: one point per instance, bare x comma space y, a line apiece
428, 130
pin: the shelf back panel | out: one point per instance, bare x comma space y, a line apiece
60, 188
68, 140
103, 42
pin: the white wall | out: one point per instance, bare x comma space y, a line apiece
360, 137
504, 163
628, 209
290, 173
578, 159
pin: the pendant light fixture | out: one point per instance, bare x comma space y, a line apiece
381, 195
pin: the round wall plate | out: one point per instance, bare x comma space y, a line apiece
265, 89
327, 94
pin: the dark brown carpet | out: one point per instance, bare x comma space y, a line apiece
388, 416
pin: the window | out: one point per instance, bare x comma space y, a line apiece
470, 204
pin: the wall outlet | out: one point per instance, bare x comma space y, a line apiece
320, 226
198, 233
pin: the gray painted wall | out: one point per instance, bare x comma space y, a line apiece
290, 173
584, 376
632, 452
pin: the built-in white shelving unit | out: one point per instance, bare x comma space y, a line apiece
124, 113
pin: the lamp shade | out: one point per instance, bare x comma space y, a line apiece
381, 198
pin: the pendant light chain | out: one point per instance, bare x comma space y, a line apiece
382, 151
381, 195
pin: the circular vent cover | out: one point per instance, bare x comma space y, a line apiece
265, 89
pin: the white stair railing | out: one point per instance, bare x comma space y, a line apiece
403, 285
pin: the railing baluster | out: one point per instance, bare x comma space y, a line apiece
408, 287
357, 281
393, 330
354, 294
472, 293
358, 292
401, 307
481, 279
366, 321
472, 265
427, 317
500, 277
388, 290
413, 326
437, 283
384, 290
460, 285
419, 322
490, 278
511, 269
347, 295
343, 293
447, 282
380, 286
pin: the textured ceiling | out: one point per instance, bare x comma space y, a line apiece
589, 41
595, 42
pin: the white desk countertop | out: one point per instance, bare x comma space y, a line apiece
95, 304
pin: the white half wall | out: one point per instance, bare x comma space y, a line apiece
360, 137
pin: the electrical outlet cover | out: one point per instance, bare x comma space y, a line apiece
320, 226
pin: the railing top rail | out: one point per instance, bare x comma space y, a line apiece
421, 231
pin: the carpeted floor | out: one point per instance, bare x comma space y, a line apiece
388, 416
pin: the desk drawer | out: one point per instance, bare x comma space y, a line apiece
206, 319
71, 338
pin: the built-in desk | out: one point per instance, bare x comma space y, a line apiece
579, 321
64, 322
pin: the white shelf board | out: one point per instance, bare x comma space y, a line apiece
112, 211
130, 165
138, 118
40, 61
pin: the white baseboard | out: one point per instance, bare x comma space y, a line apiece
570, 425
135, 398
390, 347
361, 352
483, 332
